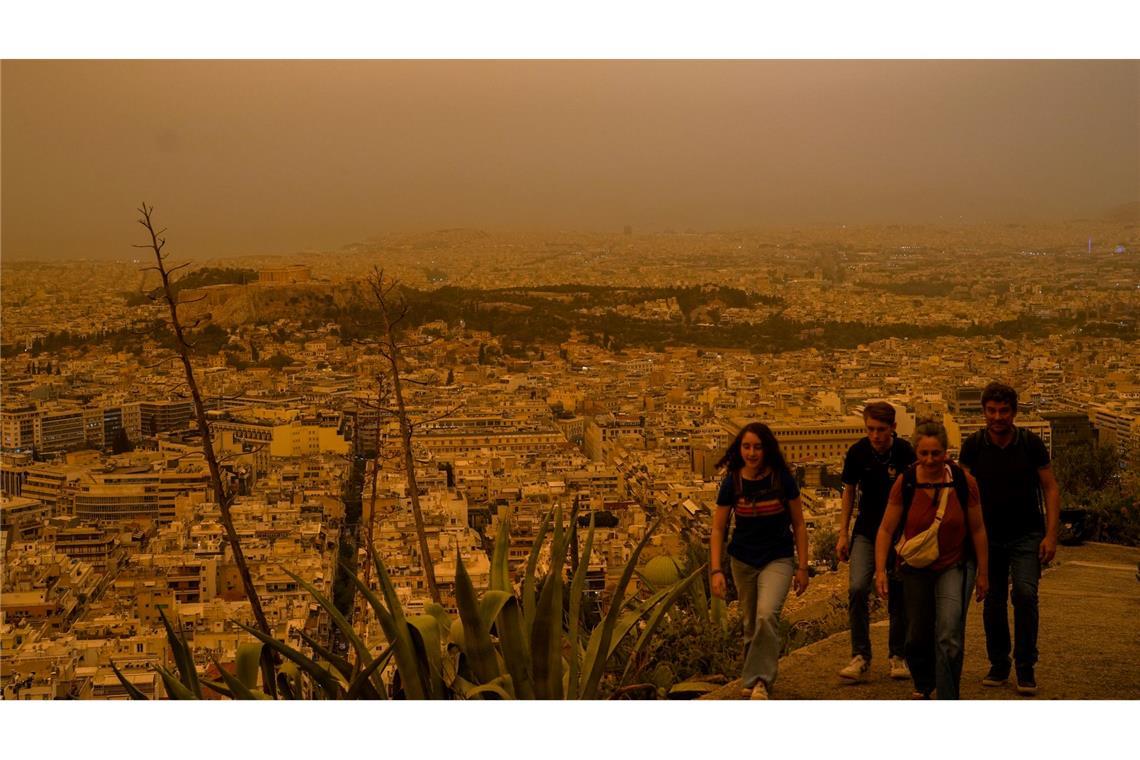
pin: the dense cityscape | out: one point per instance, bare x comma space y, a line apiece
542, 374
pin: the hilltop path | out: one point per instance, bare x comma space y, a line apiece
1089, 640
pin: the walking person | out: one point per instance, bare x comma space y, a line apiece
1014, 476
937, 501
870, 468
768, 550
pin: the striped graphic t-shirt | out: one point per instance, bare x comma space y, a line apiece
763, 527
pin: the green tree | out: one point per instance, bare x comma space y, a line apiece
121, 443
1085, 470
823, 547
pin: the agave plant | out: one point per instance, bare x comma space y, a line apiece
510, 645
504, 645
184, 683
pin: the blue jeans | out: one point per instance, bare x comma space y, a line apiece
1017, 558
762, 592
936, 613
862, 562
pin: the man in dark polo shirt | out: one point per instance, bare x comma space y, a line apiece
871, 466
1011, 465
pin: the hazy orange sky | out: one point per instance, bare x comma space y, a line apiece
279, 156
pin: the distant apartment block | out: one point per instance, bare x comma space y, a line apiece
130, 494
604, 430
18, 427
22, 518
163, 416
279, 434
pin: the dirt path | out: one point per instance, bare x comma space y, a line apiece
1089, 640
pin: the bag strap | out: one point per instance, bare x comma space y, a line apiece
943, 500
910, 485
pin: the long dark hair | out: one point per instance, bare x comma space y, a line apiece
733, 460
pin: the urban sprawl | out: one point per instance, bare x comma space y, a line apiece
602, 372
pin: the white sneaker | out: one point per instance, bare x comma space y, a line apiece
899, 669
856, 670
759, 691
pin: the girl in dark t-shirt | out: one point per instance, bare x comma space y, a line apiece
770, 533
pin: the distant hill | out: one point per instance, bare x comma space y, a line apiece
1125, 214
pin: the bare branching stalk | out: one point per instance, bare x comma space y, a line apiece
225, 498
391, 315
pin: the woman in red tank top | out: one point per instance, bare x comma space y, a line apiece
935, 596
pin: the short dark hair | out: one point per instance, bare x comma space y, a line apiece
879, 410
1000, 393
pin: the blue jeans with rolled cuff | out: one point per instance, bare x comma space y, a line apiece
762, 593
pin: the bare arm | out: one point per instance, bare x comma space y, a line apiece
716, 550
1052, 513
799, 530
843, 542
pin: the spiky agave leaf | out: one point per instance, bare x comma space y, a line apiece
441, 616
218, 687
183, 658
406, 661
414, 675
657, 616
339, 619
500, 687
429, 643
237, 689
132, 690
546, 634
635, 612
289, 681
500, 567
514, 643
324, 678
528, 592
515, 648
577, 586
361, 686
477, 646
700, 601
320, 650
247, 663
595, 663
174, 687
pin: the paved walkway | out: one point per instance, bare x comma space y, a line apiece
1089, 640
